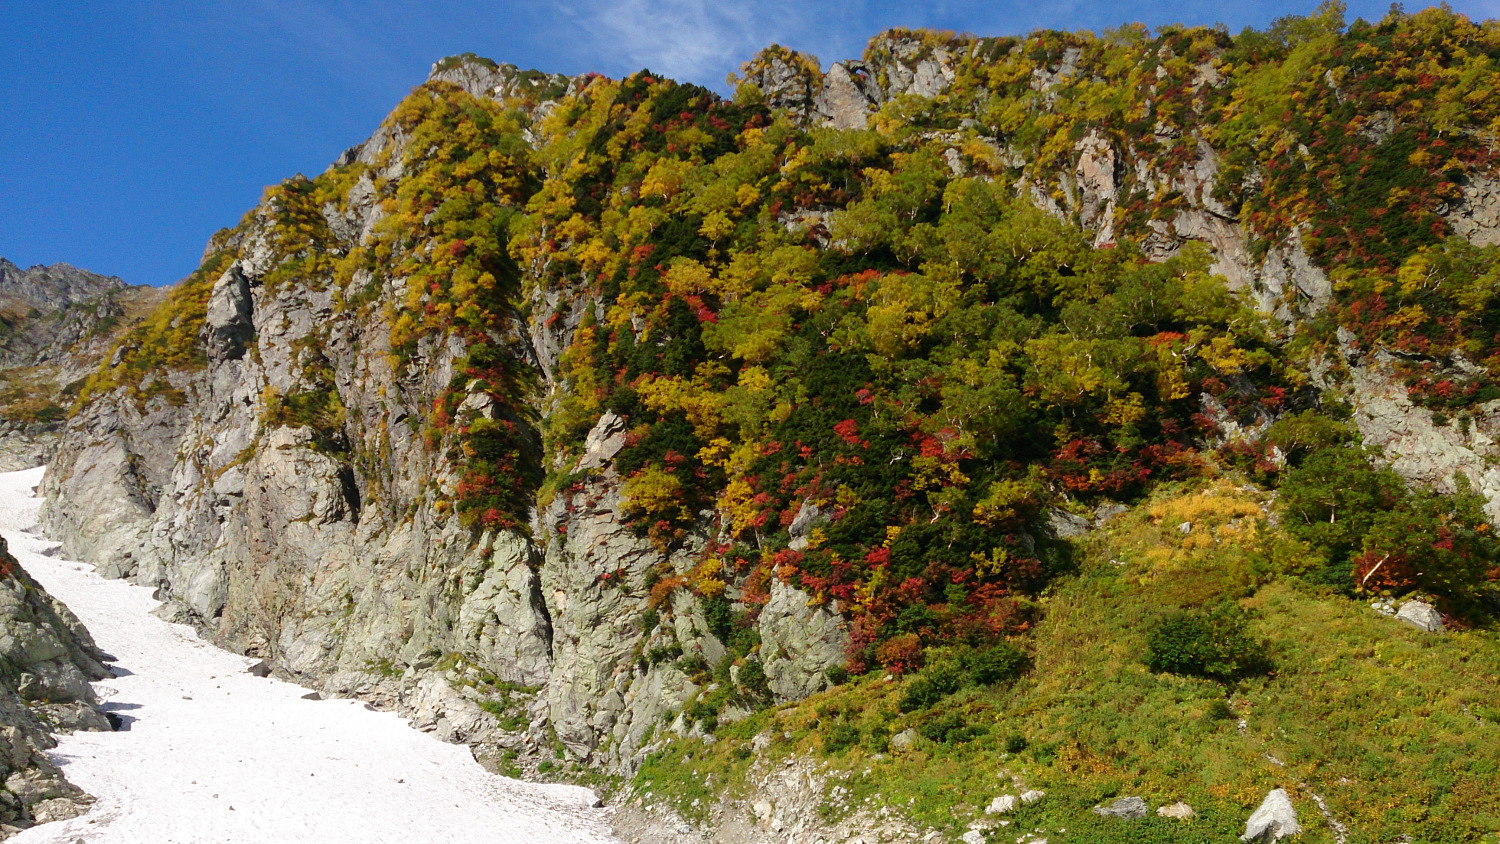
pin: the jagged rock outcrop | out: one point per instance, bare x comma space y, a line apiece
49, 661
63, 316
1410, 438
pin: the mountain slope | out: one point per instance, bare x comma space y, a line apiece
565, 409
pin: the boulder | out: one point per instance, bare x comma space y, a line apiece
1422, 616
1065, 525
1029, 797
1179, 810
1002, 804
260, 669
903, 740
1274, 820
1125, 807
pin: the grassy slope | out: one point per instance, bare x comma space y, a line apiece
1399, 731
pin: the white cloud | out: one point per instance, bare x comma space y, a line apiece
700, 40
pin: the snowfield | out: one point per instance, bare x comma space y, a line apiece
214, 754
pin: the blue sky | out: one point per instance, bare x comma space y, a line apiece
132, 130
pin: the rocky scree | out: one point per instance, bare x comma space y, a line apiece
47, 660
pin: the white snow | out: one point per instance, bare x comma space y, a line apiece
214, 754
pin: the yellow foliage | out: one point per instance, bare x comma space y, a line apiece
1067, 373
1410, 318
737, 502
1171, 384
1008, 503
707, 579
696, 398
904, 307
716, 226
746, 195
686, 277
935, 473
995, 562
654, 493
716, 453
1125, 410
665, 178
1223, 355
755, 379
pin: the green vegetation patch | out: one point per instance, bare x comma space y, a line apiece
1384, 722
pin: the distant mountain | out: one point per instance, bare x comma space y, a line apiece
50, 287
56, 324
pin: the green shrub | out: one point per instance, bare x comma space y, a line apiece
1218, 711
950, 729
1213, 643
841, 738
753, 679
693, 665
995, 664
929, 687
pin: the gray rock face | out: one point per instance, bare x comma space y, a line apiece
228, 320
850, 91
800, 641
1476, 216
269, 536
484, 78
53, 312
1132, 808
53, 660
1284, 282
51, 288
1417, 447
845, 101
1274, 820
1422, 616
788, 80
